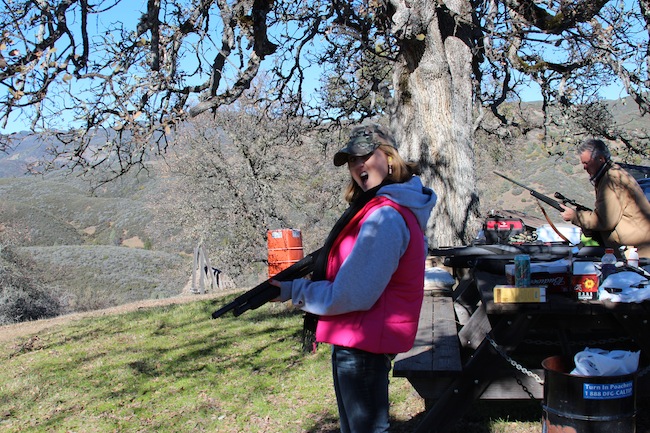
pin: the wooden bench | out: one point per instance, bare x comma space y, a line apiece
436, 351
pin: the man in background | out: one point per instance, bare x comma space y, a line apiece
621, 215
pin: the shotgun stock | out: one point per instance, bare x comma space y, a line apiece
265, 292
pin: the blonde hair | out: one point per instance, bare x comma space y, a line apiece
402, 170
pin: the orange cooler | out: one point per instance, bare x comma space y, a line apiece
284, 249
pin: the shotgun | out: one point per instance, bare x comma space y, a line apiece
265, 291
546, 199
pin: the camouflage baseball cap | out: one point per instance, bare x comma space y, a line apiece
364, 140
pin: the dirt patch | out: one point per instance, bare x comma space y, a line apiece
134, 242
91, 230
18, 330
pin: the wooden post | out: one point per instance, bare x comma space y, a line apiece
201, 263
195, 266
207, 267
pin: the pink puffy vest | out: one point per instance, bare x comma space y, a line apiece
390, 325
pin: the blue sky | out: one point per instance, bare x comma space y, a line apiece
127, 12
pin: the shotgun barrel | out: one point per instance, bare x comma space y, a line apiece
265, 291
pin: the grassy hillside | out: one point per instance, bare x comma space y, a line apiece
100, 276
63, 204
172, 369
92, 250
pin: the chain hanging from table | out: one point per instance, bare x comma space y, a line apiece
517, 366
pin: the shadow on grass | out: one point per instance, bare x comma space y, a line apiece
485, 416
330, 424
479, 419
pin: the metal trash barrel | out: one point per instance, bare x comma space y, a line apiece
284, 249
586, 404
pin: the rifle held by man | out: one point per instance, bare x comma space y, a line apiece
265, 292
546, 199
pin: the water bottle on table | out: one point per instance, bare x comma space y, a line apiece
608, 263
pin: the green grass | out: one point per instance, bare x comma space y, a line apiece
167, 370
171, 369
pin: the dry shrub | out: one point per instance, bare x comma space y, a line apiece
22, 297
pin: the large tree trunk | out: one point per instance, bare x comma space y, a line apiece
432, 112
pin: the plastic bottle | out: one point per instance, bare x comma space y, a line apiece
608, 263
633, 257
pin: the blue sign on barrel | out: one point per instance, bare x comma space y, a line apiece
607, 391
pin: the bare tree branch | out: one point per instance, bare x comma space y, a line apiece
63, 63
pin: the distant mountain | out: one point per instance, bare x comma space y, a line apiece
27, 148
24, 150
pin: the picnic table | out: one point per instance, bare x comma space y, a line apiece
469, 347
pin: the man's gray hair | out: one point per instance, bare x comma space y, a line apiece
596, 147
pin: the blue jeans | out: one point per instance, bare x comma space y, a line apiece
361, 387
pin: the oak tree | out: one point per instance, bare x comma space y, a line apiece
233, 176
437, 68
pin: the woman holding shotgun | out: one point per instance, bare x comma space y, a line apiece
367, 286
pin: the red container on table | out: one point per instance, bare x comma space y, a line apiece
585, 281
